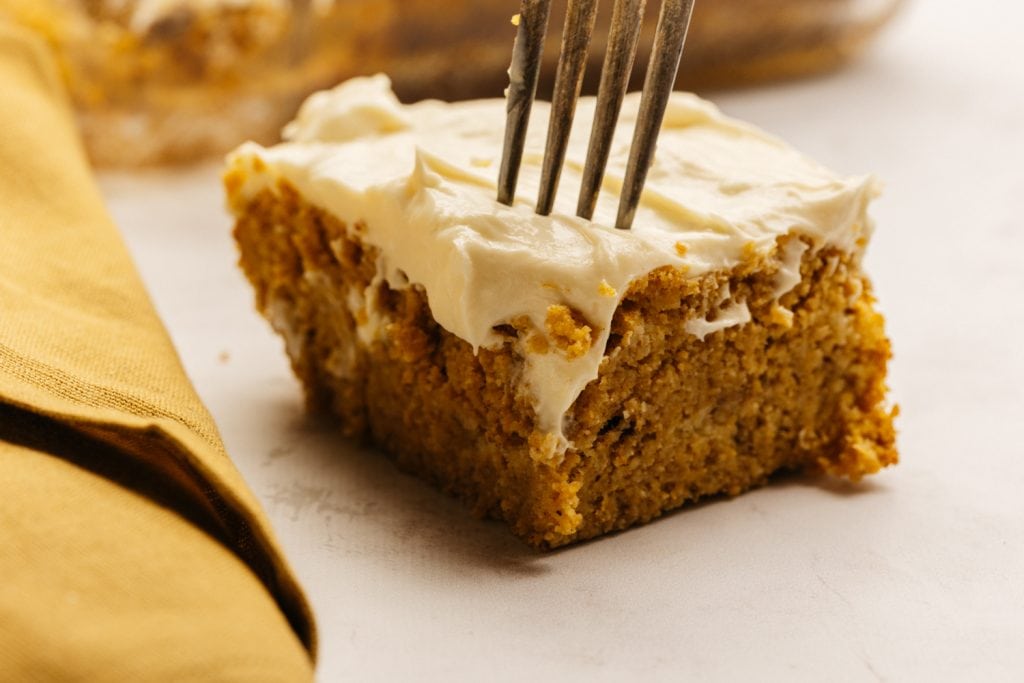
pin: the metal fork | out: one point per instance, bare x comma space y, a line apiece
627, 16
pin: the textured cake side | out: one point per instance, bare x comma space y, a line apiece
670, 418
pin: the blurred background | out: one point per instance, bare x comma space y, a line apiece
913, 576
158, 81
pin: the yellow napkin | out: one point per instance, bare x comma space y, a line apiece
130, 547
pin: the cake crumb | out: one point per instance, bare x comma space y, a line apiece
533, 340
542, 446
234, 181
568, 331
782, 316
538, 344
681, 249
605, 289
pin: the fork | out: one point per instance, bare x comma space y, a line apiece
627, 16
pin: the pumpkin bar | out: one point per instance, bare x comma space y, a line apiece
557, 373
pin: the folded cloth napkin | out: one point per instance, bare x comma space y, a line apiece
130, 547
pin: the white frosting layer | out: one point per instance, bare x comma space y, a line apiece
423, 178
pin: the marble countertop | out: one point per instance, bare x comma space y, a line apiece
916, 574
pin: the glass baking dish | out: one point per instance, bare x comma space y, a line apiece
173, 80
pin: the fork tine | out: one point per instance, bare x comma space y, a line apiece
673, 22
522, 87
579, 27
627, 16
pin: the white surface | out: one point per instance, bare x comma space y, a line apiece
918, 574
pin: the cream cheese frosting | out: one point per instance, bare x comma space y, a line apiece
422, 178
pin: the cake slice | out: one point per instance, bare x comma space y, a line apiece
565, 376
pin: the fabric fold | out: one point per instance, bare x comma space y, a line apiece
82, 352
